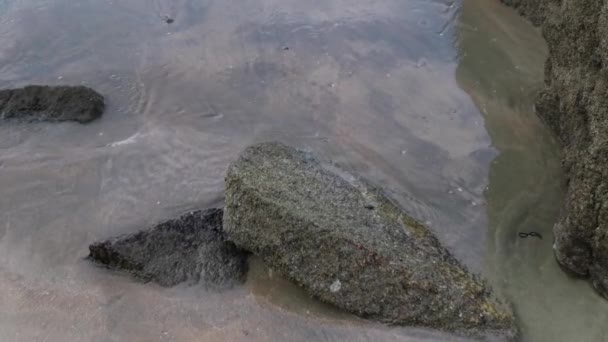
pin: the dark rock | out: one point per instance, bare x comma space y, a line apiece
61, 103
575, 105
349, 245
191, 249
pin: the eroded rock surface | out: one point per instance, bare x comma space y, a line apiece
350, 246
44, 103
191, 248
575, 105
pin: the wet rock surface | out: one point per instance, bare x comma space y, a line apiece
45, 103
575, 105
348, 245
191, 248
535, 10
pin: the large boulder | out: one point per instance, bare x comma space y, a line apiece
61, 103
191, 248
574, 105
349, 245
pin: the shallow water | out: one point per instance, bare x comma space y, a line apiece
376, 86
501, 66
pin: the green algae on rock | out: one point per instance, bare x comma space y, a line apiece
574, 105
349, 245
45, 103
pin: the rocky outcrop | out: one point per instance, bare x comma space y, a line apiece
575, 105
190, 249
44, 103
349, 245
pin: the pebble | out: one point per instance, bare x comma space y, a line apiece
335, 286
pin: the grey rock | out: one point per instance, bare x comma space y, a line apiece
189, 249
44, 103
349, 245
574, 104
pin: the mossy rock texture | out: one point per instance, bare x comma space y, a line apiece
191, 248
349, 245
45, 103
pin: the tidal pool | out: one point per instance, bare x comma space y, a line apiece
501, 67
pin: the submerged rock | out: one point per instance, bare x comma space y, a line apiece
61, 103
191, 248
574, 104
349, 245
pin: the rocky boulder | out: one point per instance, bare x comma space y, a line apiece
44, 103
191, 248
349, 245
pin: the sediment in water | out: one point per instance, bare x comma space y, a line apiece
574, 104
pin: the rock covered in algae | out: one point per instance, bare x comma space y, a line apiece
349, 245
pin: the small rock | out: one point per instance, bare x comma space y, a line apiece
191, 248
44, 103
335, 286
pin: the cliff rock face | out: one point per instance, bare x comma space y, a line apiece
575, 106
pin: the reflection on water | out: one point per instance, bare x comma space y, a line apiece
369, 84
501, 67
